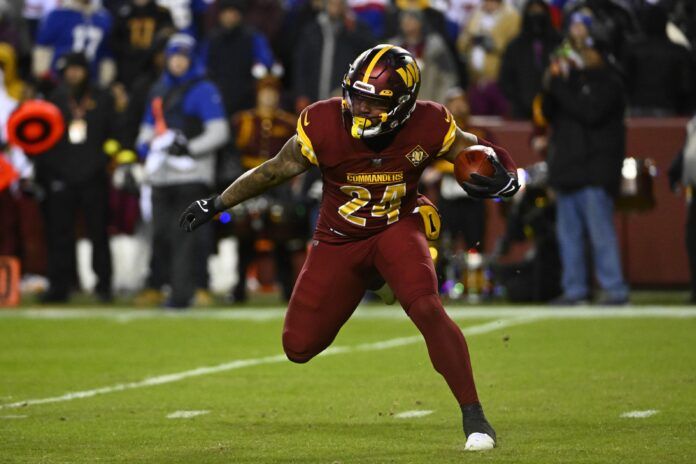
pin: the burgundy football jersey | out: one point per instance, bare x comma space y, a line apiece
365, 191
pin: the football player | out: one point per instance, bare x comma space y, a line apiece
371, 147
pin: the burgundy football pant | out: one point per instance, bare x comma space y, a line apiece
335, 277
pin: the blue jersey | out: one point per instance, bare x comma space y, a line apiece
69, 30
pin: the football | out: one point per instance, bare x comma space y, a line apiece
473, 160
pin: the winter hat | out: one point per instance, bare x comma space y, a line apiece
180, 44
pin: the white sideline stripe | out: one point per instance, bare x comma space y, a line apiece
369, 312
14, 416
640, 414
186, 414
413, 414
238, 364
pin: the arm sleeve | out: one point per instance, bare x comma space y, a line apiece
216, 133
145, 136
262, 51
148, 117
205, 102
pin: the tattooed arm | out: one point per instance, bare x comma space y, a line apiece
288, 163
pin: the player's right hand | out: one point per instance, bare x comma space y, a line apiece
198, 213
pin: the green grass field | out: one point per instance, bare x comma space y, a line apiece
93, 385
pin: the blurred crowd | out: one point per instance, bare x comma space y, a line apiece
166, 101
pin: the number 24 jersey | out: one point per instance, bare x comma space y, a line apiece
365, 191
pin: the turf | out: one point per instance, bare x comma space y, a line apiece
554, 390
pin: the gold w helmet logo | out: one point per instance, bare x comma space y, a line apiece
410, 74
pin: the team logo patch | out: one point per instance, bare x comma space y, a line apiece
417, 156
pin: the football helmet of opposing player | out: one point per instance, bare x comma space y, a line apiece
386, 80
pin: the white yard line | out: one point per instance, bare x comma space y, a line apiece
413, 414
364, 312
238, 364
639, 414
185, 414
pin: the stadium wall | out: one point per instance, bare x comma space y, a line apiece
652, 242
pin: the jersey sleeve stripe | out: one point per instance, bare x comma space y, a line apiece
305, 144
449, 137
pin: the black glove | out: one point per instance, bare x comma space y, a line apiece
179, 146
199, 212
502, 184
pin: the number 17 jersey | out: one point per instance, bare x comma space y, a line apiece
366, 191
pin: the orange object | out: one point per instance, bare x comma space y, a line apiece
158, 114
7, 173
9, 281
35, 126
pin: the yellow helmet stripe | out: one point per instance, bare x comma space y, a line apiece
374, 61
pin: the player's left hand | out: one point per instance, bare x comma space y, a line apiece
198, 213
179, 146
501, 184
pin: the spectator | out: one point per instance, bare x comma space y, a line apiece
482, 44
435, 18
615, 20
335, 38
78, 27
266, 16
659, 73
34, 11
180, 163
259, 134
149, 73
73, 175
188, 15
526, 58
683, 173
12, 83
372, 13
585, 110
14, 31
234, 54
457, 14
437, 22
299, 15
137, 24
438, 68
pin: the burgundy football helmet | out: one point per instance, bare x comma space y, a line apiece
387, 77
